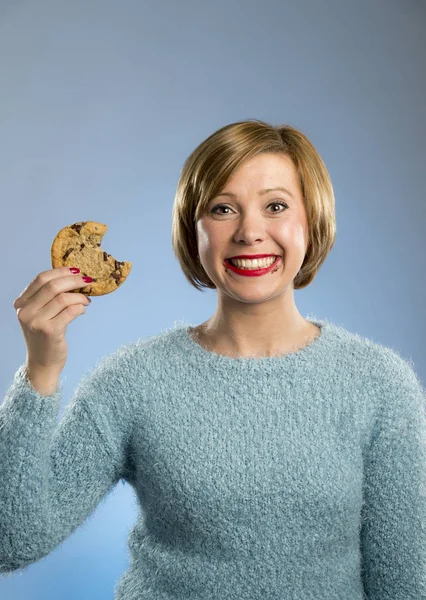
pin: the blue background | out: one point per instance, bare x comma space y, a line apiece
101, 102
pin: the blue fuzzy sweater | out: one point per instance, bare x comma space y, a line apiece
298, 477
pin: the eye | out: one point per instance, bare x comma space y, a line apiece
278, 203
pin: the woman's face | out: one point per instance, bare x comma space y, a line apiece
249, 222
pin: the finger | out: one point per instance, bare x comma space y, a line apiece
43, 278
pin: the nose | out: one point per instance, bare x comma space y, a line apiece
250, 230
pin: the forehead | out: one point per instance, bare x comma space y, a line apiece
266, 171
261, 175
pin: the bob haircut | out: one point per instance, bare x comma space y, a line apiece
209, 167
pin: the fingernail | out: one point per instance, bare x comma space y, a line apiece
74, 270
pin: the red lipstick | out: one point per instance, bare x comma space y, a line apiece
253, 256
252, 272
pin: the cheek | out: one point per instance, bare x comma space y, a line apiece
295, 237
202, 236
211, 241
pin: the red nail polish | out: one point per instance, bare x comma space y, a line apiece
74, 270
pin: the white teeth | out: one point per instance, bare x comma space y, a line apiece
256, 263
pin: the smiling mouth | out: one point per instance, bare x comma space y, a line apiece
233, 261
263, 258
252, 271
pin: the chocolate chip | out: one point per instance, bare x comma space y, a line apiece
67, 253
78, 226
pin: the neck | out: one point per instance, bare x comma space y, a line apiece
252, 336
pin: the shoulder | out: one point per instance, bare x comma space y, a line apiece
381, 367
134, 359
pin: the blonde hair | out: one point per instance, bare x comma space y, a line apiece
209, 167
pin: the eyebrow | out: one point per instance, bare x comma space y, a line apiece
261, 192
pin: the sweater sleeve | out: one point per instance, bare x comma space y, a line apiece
393, 523
53, 475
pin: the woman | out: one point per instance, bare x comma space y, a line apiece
254, 190
272, 456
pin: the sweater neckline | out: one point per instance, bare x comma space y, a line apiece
307, 352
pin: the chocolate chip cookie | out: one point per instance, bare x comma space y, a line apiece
78, 245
